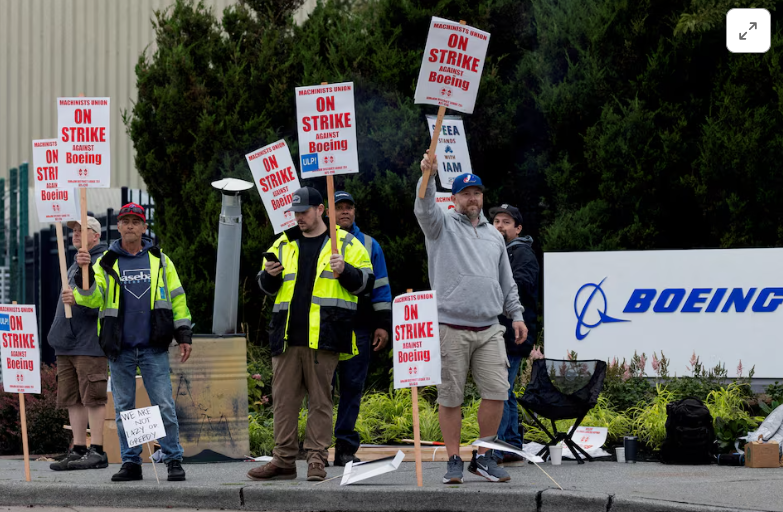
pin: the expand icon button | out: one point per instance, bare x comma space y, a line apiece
594, 300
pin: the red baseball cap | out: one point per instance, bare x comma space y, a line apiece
132, 209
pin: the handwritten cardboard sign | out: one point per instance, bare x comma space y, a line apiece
452, 65
142, 425
416, 340
20, 350
275, 177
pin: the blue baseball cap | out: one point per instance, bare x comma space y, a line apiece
464, 181
343, 196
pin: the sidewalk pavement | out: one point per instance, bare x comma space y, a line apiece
597, 486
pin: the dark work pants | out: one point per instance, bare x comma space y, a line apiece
350, 376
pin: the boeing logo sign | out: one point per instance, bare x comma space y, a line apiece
591, 303
722, 304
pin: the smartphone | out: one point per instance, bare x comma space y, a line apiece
270, 256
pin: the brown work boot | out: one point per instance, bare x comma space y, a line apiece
316, 472
271, 472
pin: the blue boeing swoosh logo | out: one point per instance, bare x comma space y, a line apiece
593, 289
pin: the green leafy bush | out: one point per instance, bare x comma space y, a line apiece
45, 432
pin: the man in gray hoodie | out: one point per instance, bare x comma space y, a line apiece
469, 270
82, 367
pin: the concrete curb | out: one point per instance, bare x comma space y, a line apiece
357, 498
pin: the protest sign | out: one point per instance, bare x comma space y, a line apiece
443, 199
20, 351
142, 425
53, 203
326, 121
452, 149
416, 340
356, 472
590, 437
452, 65
275, 177
84, 143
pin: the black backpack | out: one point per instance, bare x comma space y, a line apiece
690, 436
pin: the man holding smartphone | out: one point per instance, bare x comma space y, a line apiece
316, 294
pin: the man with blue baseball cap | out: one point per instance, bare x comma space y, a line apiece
469, 268
372, 327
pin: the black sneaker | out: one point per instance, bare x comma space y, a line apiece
487, 466
176, 473
129, 471
454, 470
90, 460
341, 459
62, 465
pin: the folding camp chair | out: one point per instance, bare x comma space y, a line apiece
560, 390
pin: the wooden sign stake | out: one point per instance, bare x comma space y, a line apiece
63, 269
332, 210
83, 199
25, 447
416, 430
434, 143
153, 463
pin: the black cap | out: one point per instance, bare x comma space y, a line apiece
513, 211
304, 199
343, 196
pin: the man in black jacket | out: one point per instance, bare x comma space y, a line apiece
508, 221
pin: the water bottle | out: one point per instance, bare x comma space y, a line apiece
631, 445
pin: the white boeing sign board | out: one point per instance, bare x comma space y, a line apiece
722, 304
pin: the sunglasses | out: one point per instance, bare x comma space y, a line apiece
132, 209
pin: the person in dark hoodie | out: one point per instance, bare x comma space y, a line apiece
142, 307
372, 327
82, 367
508, 221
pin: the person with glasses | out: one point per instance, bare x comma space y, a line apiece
142, 308
82, 368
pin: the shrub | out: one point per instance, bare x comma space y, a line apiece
45, 432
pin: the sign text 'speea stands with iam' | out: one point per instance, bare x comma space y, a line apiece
54, 204
326, 121
416, 340
452, 150
19, 349
450, 72
275, 177
84, 142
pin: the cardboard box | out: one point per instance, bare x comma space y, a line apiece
759, 454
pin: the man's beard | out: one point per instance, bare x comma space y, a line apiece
470, 215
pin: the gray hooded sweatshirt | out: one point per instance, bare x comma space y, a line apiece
77, 336
468, 266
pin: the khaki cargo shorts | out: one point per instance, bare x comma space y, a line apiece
483, 353
81, 380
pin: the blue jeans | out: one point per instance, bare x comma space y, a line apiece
155, 371
351, 375
509, 425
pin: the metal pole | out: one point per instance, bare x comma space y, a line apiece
24, 199
13, 249
3, 247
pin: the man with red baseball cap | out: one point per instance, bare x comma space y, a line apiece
142, 306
